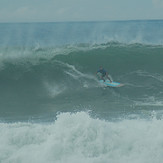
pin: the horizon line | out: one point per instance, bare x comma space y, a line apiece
81, 21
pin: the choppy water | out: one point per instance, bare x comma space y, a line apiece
52, 108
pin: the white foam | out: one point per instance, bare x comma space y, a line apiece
79, 138
149, 101
155, 76
73, 72
77, 73
54, 89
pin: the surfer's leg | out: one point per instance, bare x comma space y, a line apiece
103, 77
109, 78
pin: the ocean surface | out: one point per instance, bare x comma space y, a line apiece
54, 110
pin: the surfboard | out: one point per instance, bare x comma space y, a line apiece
111, 84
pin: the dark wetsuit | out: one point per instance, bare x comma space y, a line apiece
102, 71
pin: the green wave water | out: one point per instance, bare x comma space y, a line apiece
35, 82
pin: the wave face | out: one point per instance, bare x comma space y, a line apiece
47, 80
52, 107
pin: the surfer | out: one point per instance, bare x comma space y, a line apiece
103, 74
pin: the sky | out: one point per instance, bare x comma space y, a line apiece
79, 10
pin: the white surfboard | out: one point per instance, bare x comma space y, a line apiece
111, 84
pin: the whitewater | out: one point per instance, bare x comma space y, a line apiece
52, 107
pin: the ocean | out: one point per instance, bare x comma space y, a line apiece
54, 110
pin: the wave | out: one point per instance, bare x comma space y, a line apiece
46, 77
79, 138
139, 60
52, 107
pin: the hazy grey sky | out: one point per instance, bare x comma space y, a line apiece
79, 10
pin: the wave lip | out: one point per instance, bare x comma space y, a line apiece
56, 34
